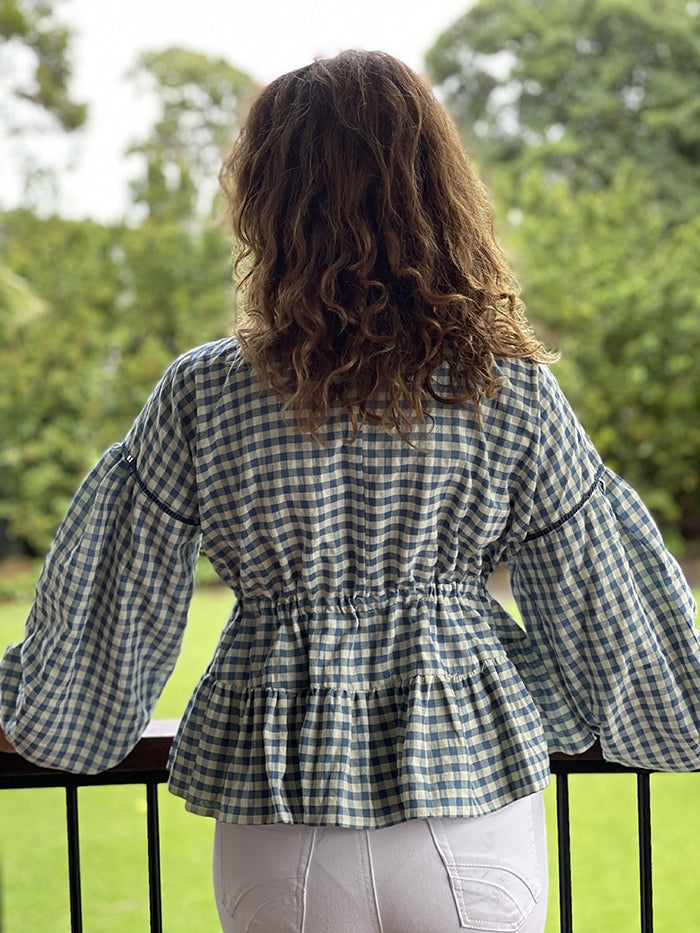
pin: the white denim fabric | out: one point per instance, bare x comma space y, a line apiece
485, 875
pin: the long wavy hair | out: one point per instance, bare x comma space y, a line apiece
367, 256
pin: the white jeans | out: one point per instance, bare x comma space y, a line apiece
487, 874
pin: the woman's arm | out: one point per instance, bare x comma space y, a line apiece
111, 603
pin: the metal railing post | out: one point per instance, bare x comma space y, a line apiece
564, 852
154, 885
74, 882
646, 893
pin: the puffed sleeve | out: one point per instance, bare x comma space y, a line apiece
607, 646
106, 625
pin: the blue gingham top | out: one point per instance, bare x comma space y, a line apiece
365, 676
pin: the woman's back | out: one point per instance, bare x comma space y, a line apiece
363, 626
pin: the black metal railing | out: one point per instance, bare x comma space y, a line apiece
592, 762
147, 765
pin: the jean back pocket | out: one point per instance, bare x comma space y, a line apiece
494, 865
262, 872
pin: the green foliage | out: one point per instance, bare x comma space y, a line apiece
52, 376
37, 104
575, 85
201, 102
91, 315
18, 580
18, 303
118, 305
31, 25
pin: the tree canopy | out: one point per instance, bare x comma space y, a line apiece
38, 104
618, 293
92, 314
575, 85
31, 25
200, 102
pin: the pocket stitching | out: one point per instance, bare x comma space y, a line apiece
492, 926
292, 880
534, 887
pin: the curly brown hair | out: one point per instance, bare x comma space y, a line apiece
367, 250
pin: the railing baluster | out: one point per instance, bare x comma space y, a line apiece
646, 897
564, 848
74, 886
154, 886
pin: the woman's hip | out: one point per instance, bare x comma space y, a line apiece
486, 874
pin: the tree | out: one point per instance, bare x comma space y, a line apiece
576, 85
36, 50
32, 26
91, 315
18, 304
201, 102
57, 367
178, 296
177, 259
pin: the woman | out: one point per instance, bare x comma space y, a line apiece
372, 735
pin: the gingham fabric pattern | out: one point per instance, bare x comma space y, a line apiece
365, 676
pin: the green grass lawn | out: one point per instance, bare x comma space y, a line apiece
33, 877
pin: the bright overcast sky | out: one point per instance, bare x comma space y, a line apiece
262, 37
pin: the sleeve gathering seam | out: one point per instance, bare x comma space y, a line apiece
131, 463
570, 514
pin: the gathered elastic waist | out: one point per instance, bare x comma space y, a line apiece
310, 600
